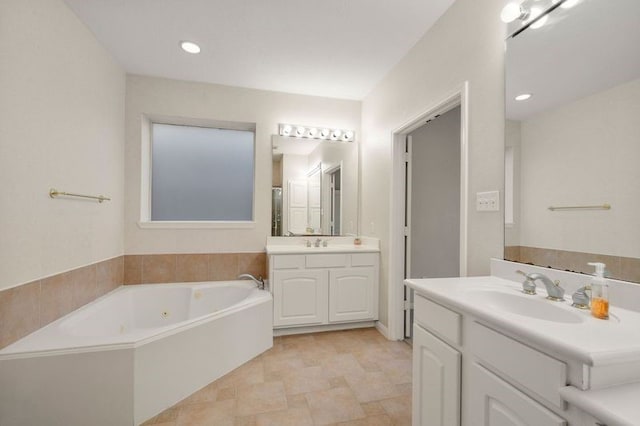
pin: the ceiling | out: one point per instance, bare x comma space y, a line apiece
333, 48
577, 52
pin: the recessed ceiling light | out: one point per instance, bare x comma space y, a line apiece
523, 97
190, 47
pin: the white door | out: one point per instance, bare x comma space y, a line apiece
436, 381
297, 206
352, 294
300, 297
494, 402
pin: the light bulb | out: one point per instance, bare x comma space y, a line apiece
324, 133
568, 4
535, 12
312, 132
286, 130
523, 97
336, 134
190, 47
300, 131
511, 12
348, 135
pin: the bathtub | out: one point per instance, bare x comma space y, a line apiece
132, 353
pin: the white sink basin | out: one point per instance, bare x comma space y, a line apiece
533, 306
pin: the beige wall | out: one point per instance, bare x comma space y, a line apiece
584, 153
156, 96
62, 126
467, 43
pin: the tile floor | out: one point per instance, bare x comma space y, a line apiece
353, 377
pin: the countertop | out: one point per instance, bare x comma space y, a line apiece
335, 244
615, 406
591, 341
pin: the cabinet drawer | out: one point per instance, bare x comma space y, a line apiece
531, 369
288, 261
438, 319
326, 261
363, 259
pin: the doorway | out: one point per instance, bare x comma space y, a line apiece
432, 203
400, 264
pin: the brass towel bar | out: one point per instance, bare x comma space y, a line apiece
53, 193
600, 207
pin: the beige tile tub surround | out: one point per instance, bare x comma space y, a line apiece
621, 268
168, 268
28, 307
352, 377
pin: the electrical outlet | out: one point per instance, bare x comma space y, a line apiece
488, 201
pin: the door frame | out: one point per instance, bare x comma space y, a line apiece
459, 96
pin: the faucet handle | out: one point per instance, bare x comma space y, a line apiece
580, 298
529, 285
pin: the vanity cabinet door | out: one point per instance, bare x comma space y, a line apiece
495, 402
436, 381
352, 294
300, 297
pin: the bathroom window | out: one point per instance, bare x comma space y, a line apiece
200, 175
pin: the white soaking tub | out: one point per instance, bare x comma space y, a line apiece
132, 353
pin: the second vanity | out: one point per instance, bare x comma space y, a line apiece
321, 283
487, 354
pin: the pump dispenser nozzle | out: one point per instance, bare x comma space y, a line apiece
599, 268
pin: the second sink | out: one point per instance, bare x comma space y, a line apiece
528, 306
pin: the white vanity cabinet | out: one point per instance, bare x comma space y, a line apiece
496, 403
468, 374
436, 381
321, 289
299, 297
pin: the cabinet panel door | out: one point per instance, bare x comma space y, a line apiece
352, 294
497, 403
300, 297
436, 381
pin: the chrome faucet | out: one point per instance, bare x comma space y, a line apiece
317, 242
554, 291
580, 298
259, 281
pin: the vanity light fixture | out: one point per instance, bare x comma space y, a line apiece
316, 133
523, 97
567, 4
533, 15
190, 47
513, 11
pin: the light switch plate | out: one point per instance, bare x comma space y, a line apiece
488, 201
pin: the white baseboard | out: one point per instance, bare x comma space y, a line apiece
320, 328
382, 329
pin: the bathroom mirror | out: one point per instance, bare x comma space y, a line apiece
572, 155
314, 187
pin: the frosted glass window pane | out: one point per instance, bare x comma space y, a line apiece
201, 173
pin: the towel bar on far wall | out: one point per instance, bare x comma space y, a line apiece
53, 193
599, 207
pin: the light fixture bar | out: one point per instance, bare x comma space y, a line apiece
322, 133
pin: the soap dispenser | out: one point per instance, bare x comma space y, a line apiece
599, 292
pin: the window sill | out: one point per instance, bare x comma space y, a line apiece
196, 224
